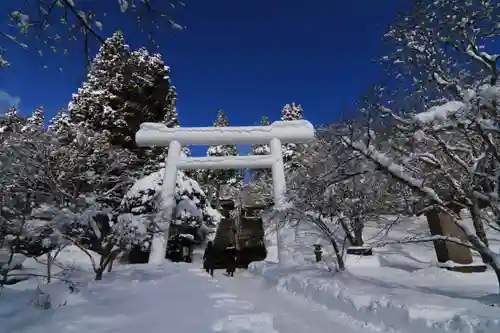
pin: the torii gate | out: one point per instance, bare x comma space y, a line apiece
157, 134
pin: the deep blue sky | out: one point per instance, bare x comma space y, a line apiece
247, 57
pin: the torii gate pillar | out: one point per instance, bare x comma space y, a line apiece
154, 134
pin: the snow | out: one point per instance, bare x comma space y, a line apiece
286, 312
440, 112
135, 299
148, 190
5, 258
400, 287
395, 169
151, 298
187, 236
227, 162
157, 134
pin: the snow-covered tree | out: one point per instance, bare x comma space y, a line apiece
123, 89
171, 118
192, 211
11, 121
91, 165
218, 179
65, 186
310, 203
36, 121
260, 149
448, 157
340, 184
27, 177
292, 112
50, 28
291, 150
60, 124
439, 46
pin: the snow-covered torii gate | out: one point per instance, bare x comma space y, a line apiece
157, 134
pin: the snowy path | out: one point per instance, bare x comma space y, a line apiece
169, 298
290, 313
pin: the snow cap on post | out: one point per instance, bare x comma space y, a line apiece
157, 134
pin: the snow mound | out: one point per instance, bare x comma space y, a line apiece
400, 287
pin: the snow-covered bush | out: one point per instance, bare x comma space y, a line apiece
94, 228
192, 209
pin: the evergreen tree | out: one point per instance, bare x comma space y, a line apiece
124, 89
36, 121
171, 118
260, 149
60, 123
11, 112
291, 150
155, 158
292, 112
11, 121
219, 179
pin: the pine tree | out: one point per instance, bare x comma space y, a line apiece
292, 112
260, 149
11, 112
290, 150
123, 89
36, 121
218, 179
12, 121
171, 118
60, 123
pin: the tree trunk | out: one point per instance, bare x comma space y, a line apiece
347, 232
49, 267
98, 274
475, 241
217, 196
358, 231
338, 254
210, 193
496, 269
479, 226
102, 266
111, 261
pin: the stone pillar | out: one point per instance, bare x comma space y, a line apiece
443, 224
164, 216
279, 187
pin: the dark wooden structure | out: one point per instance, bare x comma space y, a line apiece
243, 229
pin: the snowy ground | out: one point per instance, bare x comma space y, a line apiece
167, 298
399, 287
